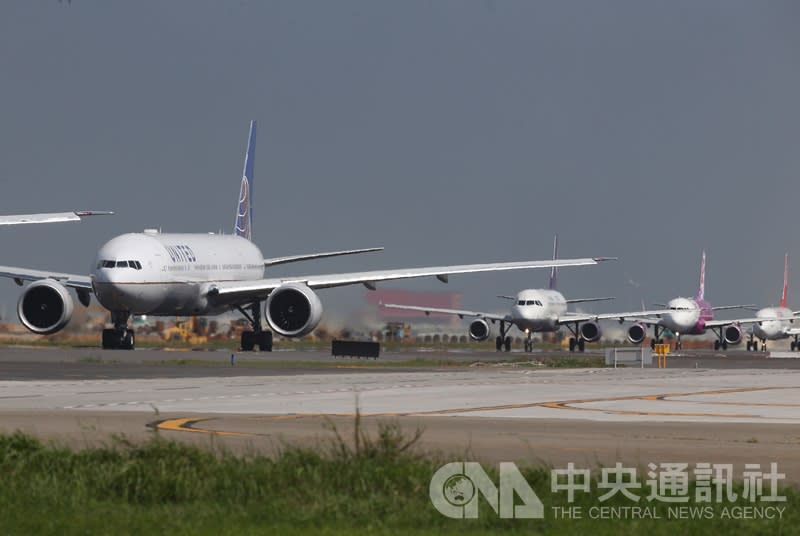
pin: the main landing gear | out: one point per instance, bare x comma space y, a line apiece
260, 337
795, 346
656, 340
752, 344
120, 337
576, 341
503, 341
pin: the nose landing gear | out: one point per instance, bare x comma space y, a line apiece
120, 337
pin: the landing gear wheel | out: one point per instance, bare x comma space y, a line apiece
498, 343
581, 345
653, 344
110, 339
724, 345
248, 341
716, 345
572, 343
265, 341
793, 347
128, 340
750, 346
507, 344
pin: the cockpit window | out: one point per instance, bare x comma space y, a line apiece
521, 302
119, 264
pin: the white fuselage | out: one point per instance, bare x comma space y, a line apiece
687, 316
170, 274
538, 310
777, 323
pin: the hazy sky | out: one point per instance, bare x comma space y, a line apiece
446, 131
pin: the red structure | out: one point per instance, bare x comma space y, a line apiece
448, 300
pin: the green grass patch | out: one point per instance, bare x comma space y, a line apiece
357, 485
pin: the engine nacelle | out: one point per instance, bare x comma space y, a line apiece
293, 310
590, 331
732, 334
637, 333
479, 330
45, 307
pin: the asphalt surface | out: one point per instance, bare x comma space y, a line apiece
740, 408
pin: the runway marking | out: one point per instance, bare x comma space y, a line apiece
188, 425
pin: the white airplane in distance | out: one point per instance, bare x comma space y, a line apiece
534, 310
776, 322
691, 316
197, 274
50, 217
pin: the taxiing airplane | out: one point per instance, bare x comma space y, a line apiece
165, 274
50, 217
534, 311
690, 316
776, 322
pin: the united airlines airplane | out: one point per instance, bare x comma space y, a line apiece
691, 316
534, 310
164, 274
50, 217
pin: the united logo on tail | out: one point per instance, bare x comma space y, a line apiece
244, 209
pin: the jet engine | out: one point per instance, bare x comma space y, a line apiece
45, 307
733, 334
637, 333
293, 310
479, 330
590, 331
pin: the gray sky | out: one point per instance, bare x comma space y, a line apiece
447, 131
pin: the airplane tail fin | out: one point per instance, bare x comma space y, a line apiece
554, 270
244, 209
702, 290
784, 294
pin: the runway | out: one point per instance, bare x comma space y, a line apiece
494, 411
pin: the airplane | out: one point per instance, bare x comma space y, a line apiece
51, 217
691, 316
195, 274
534, 311
775, 322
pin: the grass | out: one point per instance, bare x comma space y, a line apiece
358, 484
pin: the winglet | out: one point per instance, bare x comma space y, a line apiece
785, 293
702, 290
554, 270
244, 209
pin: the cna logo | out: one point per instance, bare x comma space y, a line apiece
243, 210
455, 488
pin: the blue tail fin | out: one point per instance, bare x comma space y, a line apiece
554, 270
244, 210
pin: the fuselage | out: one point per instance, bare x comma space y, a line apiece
687, 316
170, 274
538, 309
776, 325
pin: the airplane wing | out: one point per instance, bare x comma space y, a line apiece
723, 307
635, 316
584, 300
459, 312
753, 320
297, 258
50, 217
262, 287
81, 282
